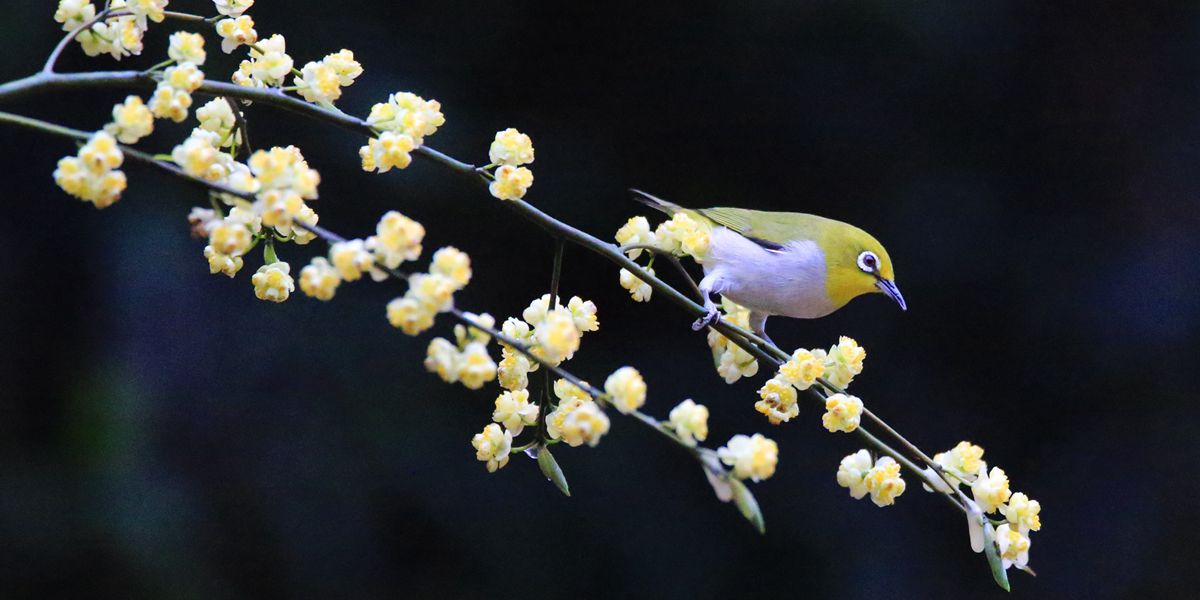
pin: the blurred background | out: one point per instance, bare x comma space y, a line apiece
1029, 165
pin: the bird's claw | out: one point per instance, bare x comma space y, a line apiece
712, 316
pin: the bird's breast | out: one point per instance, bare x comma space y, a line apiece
788, 282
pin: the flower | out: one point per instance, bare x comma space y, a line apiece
884, 482
778, 401
852, 473
1023, 512
1013, 545
432, 290
233, 8
962, 462
453, 264
351, 259
990, 489
475, 366
514, 411
322, 81
222, 263
803, 369
217, 116
409, 315
187, 48
584, 314
74, 13
518, 330
389, 150
683, 236
577, 423
236, 32
844, 362
199, 156
284, 169
511, 147
268, 66
170, 103
566, 391
627, 389
397, 239
469, 335
751, 457
344, 65
147, 9
690, 422
409, 114
92, 174
273, 282
184, 76
230, 236
736, 363
132, 121
513, 371
511, 182
636, 231
118, 37
557, 335
536, 312
442, 357
639, 290
842, 413
319, 279
492, 446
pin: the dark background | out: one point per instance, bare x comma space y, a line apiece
1029, 165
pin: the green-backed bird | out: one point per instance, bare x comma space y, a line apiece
785, 263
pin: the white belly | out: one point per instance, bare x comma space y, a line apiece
789, 282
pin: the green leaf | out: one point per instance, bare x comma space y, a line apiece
747, 504
552, 471
993, 555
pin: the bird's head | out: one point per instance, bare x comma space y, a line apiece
857, 264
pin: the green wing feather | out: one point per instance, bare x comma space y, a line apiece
776, 228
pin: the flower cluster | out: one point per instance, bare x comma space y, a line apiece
466, 361
132, 121
428, 293
690, 422
880, 478
839, 365
93, 175
268, 66
321, 82
681, 235
403, 122
753, 457
173, 96
509, 151
118, 36
576, 418
731, 360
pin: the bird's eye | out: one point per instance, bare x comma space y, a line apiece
868, 262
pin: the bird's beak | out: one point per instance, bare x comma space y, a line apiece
888, 287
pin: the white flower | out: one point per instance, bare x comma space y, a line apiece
751, 457
511, 147
233, 8
492, 446
273, 282
990, 489
186, 48
627, 389
639, 290
690, 422
1013, 545
514, 411
852, 473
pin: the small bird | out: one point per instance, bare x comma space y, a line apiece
784, 263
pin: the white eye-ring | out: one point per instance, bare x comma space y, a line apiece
868, 262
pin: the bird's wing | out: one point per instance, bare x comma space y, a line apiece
771, 230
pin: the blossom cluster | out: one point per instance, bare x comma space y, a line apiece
93, 174
467, 360
509, 151
838, 365
880, 478
731, 360
403, 123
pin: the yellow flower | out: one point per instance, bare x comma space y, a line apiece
584, 314
237, 32
233, 8
397, 239
778, 401
690, 422
511, 147
751, 457
511, 182
639, 290
217, 116
475, 366
319, 279
582, 423
492, 446
146, 9
513, 371
284, 169
557, 335
132, 121
351, 259
569, 392
636, 231
200, 156
682, 235
844, 362
990, 489
389, 150
73, 13
518, 331
852, 473
627, 389
803, 369
1023, 512
1013, 545
442, 357
185, 76
322, 81
884, 482
535, 313
410, 315
230, 236
269, 63
408, 114
433, 290
842, 413
273, 282
962, 462
733, 363
101, 153
187, 48
118, 37
473, 335
170, 103
91, 175
695, 243
453, 264
344, 65
222, 263
514, 411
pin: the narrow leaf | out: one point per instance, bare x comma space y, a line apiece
999, 573
552, 471
747, 505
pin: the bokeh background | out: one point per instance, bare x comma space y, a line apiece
1031, 167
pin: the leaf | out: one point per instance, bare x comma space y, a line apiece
747, 505
551, 470
999, 573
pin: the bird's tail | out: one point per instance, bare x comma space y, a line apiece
655, 202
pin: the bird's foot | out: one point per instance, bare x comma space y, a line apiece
712, 316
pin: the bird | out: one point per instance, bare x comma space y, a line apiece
784, 263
